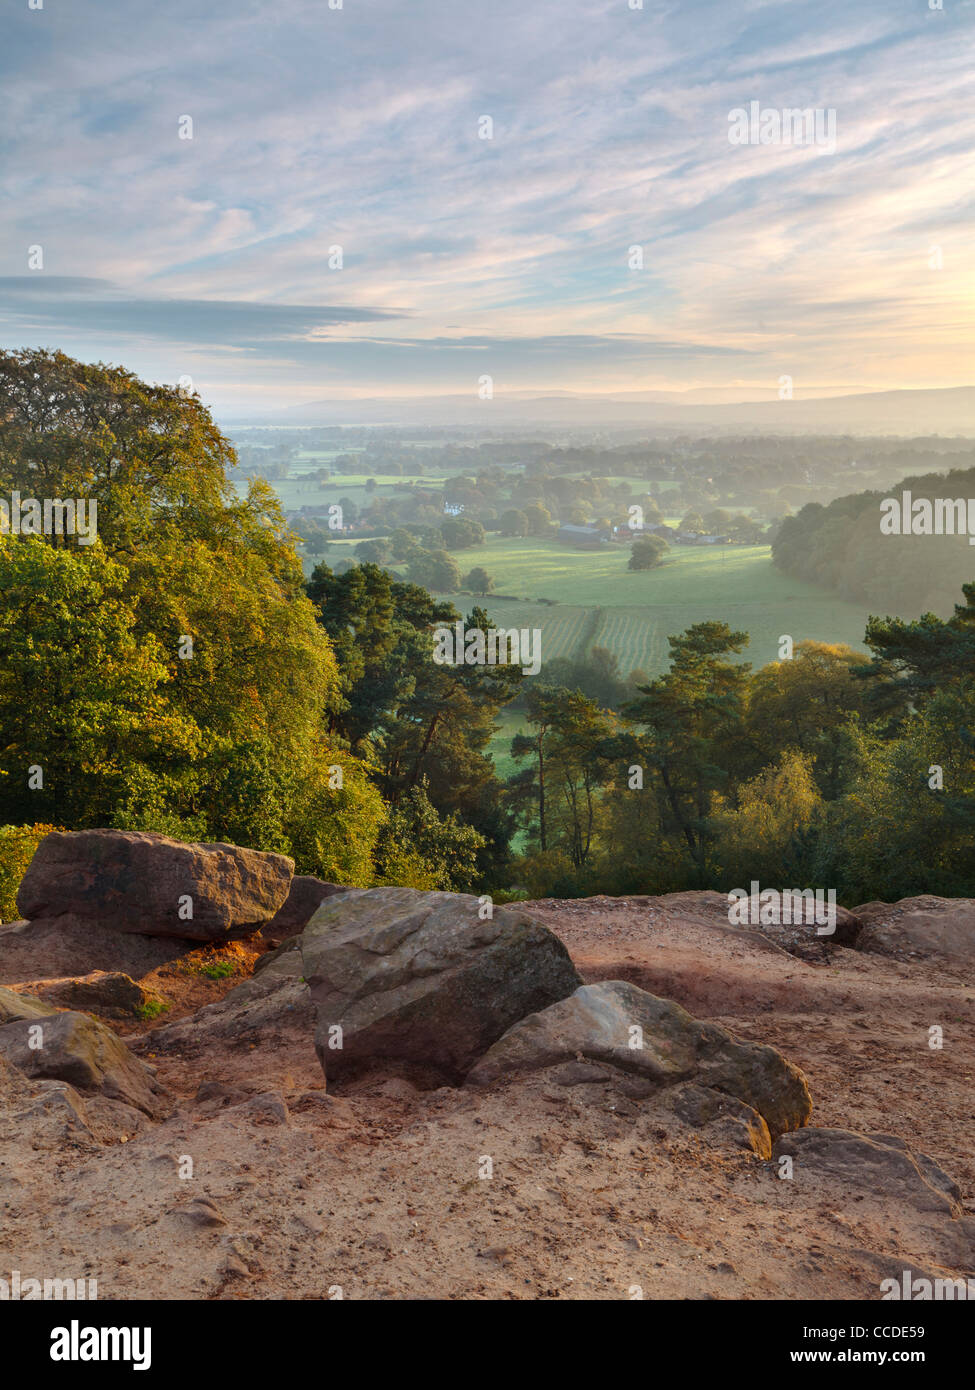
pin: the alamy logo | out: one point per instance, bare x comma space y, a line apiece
49, 516
18, 1289
924, 516
460, 646
927, 1290
767, 907
792, 125
77, 1343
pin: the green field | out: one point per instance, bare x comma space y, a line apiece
301, 490
639, 610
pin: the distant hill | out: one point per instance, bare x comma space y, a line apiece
949, 411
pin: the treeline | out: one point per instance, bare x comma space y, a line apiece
828, 769
841, 546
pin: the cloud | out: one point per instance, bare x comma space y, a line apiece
360, 127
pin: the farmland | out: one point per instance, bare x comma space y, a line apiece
599, 602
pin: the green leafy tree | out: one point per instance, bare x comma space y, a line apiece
647, 552
514, 523
479, 581
460, 532
691, 718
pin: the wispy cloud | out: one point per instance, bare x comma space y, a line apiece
316, 128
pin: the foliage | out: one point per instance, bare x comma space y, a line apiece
17, 846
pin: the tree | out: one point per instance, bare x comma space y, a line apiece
421, 849
436, 570
647, 552
764, 836
178, 678
420, 722
596, 676
150, 456
514, 523
806, 703
479, 581
693, 521
907, 824
572, 754
316, 542
374, 552
691, 717
539, 519
460, 532
402, 544
83, 707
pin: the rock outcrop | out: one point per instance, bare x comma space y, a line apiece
110, 993
621, 1025
155, 886
421, 978
15, 1006
915, 928
77, 1049
884, 1165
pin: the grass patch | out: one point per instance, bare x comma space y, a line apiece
151, 1009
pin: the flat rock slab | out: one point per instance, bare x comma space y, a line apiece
915, 928
77, 1049
620, 1024
153, 885
882, 1164
421, 978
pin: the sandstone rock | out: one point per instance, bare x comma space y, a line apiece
919, 927
110, 993
14, 1006
882, 1164
271, 960
256, 1011
69, 946
420, 978
304, 897
597, 1024
725, 1117
86, 1054
137, 882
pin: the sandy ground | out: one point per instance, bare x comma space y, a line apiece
531, 1190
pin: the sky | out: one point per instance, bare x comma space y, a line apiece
541, 192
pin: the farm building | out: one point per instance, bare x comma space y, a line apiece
583, 535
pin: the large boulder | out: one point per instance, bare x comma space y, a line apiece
915, 928
421, 978
883, 1165
138, 882
617, 1023
304, 897
77, 1049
